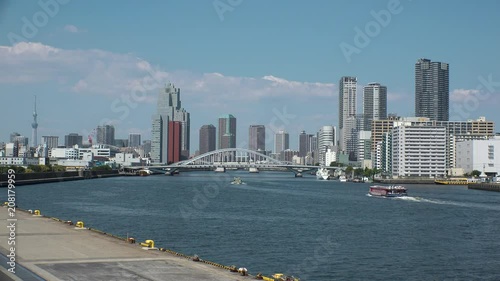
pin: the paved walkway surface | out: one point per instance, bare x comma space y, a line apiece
56, 251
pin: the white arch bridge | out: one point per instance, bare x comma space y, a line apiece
234, 158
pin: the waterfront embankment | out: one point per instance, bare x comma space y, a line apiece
406, 181
46, 177
485, 186
54, 250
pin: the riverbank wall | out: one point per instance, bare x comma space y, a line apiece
37, 178
405, 181
485, 186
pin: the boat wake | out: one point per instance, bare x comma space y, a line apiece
444, 202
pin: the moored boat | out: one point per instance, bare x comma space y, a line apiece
342, 179
283, 277
455, 181
144, 172
388, 191
323, 174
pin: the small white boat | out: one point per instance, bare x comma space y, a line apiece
237, 180
323, 174
342, 179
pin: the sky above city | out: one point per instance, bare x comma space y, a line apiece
275, 63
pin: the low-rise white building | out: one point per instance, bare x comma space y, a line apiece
127, 159
330, 156
73, 164
96, 150
419, 151
16, 161
364, 145
480, 155
63, 153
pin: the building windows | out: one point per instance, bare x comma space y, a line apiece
491, 152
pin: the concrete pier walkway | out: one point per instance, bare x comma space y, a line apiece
56, 251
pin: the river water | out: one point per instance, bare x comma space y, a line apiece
316, 230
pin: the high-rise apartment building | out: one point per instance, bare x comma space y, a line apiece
169, 104
303, 144
227, 132
419, 151
13, 136
326, 140
313, 148
50, 141
159, 138
106, 134
432, 92
374, 104
72, 140
257, 138
174, 141
347, 108
207, 138
134, 140
281, 141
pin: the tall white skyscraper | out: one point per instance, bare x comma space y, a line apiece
159, 139
347, 108
281, 141
374, 104
326, 140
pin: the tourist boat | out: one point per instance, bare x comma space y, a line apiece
455, 181
144, 172
323, 174
342, 179
388, 191
237, 180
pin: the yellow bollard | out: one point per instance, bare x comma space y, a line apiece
148, 244
79, 224
37, 212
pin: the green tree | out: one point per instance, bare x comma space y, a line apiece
349, 170
58, 168
367, 172
45, 168
102, 168
35, 168
358, 172
476, 173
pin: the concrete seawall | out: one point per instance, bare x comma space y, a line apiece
36, 178
57, 251
405, 181
485, 186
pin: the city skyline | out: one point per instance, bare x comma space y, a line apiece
99, 84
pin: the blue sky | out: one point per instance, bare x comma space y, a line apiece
253, 59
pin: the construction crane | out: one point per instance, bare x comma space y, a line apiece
91, 136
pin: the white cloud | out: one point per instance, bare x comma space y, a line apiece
99, 72
71, 28
460, 94
396, 96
